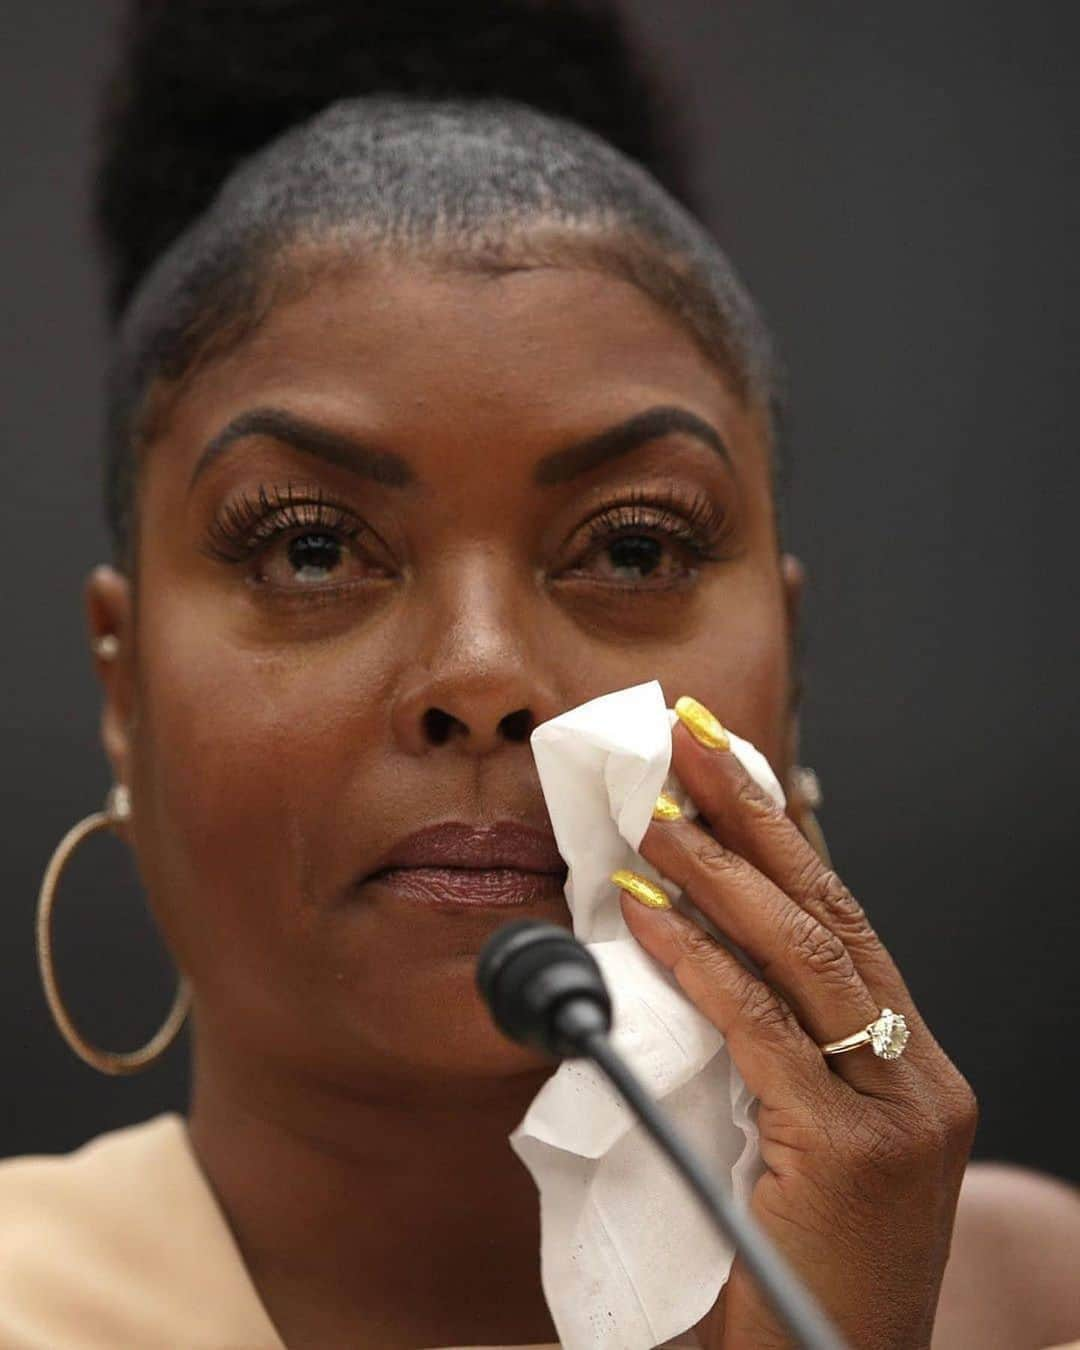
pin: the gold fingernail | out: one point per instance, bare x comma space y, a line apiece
641, 889
701, 724
666, 808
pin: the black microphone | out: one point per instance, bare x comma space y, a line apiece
545, 989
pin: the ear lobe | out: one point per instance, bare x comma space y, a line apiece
793, 581
793, 576
107, 595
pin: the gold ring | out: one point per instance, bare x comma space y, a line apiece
886, 1035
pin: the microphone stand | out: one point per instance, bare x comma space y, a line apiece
545, 989
800, 1314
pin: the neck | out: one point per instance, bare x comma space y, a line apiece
385, 1213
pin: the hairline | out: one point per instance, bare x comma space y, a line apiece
285, 271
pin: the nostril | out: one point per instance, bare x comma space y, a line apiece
437, 725
517, 725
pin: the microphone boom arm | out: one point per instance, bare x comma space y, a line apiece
798, 1312
545, 989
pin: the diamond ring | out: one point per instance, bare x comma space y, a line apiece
886, 1035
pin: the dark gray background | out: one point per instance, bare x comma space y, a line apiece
895, 183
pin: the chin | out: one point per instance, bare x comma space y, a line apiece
463, 1043
490, 1060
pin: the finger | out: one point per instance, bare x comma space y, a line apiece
748, 821
808, 965
776, 1058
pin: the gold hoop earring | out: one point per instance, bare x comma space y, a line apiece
117, 809
806, 789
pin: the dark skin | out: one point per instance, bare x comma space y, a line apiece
273, 720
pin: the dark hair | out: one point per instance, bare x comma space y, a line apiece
241, 136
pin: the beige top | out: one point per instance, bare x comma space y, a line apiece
122, 1243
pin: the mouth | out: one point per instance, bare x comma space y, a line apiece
475, 887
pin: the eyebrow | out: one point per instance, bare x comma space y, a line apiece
392, 470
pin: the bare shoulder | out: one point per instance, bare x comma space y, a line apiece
1011, 1279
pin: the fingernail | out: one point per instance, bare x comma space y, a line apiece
651, 896
666, 808
701, 724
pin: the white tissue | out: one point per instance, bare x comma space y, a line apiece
628, 1259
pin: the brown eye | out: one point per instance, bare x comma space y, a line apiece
294, 541
312, 559
654, 542
635, 557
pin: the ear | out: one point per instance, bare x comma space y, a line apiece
793, 576
108, 598
793, 581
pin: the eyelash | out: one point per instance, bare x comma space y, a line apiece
697, 523
249, 525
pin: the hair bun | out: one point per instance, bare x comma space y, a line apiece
201, 84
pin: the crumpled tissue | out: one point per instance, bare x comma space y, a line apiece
628, 1257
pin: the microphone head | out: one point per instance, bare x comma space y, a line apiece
530, 973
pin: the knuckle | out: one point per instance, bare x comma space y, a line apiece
702, 962
753, 798
700, 948
961, 1112
697, 950
838, 905
764, 1010
819, 949
709, 854
808, 874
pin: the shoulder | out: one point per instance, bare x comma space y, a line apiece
98, 1244
80, 1206
1011, 1274
127, 1139
96, 1180
99, 1177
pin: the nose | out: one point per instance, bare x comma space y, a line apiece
481, 679
478, 731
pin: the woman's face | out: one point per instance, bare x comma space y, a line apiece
320, 662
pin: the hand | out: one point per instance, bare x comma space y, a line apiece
864, 1156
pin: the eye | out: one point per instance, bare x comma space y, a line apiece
292, 542
654, 540
307, 559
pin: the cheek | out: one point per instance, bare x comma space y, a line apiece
242, 760
740, 669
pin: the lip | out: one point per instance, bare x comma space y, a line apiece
458, 845
471, 888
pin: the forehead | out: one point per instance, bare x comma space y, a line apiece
407, 333
453, 366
